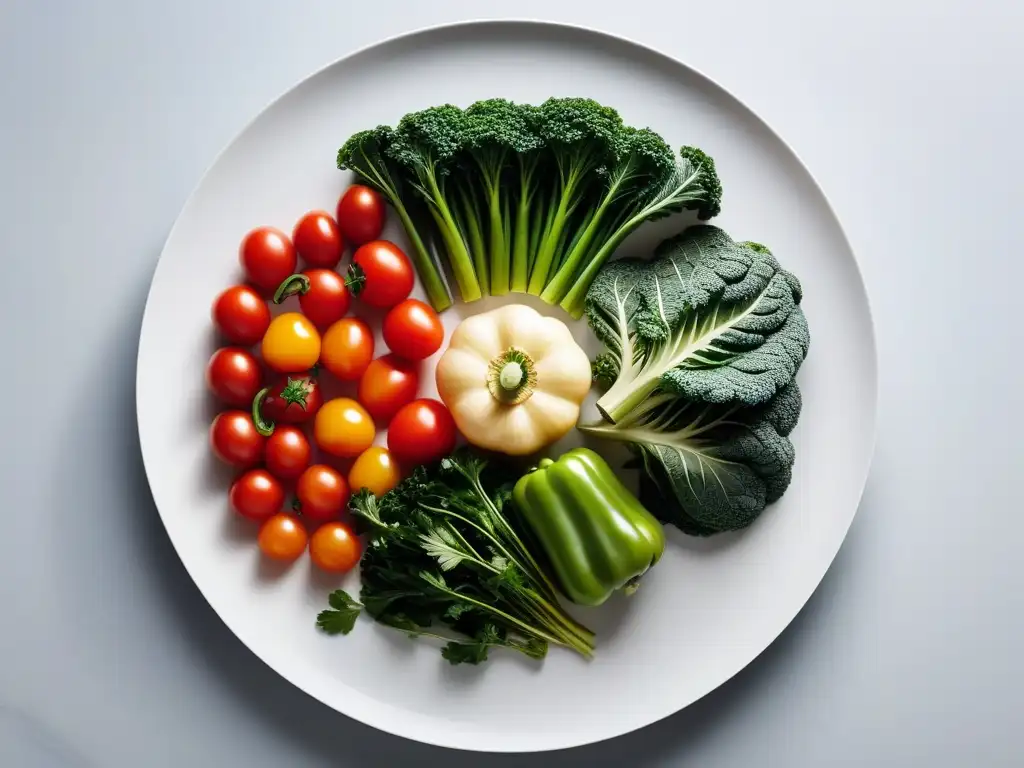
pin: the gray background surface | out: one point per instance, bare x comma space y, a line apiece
909, 114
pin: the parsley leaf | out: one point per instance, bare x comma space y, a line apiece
341, 616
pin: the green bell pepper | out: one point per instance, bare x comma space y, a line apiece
596, 534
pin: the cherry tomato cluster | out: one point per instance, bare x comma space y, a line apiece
275, 398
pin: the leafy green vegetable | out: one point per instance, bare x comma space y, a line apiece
717, 465
446, 559
703, 344
341, 616
523, 198
708, 319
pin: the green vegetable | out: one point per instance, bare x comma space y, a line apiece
445, 552
341, 616
523, 198
710, 467
703, 344
595, 533
708, 319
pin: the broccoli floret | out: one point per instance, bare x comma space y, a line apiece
706, 198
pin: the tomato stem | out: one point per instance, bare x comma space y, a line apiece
264, 426
356, 279
290, 286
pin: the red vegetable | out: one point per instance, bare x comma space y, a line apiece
360, 215
241, 315
380, 274
413, 330
235, 440
233, 375
318, 240
267, 256
421, 432
323, 296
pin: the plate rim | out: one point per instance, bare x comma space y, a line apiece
646, 50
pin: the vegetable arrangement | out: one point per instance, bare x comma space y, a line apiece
481, 550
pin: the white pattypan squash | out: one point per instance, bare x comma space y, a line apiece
513, 379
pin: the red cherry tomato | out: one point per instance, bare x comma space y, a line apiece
257, 495
381, 275
318, 240
322, 493
334, 548
413, 330
233, 375
267, 256
421, 432
288, 453
323, 296
241, 315
235, 440
360, 215
293, 400
282, 537
388, 383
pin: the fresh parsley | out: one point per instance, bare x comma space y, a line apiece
341, 616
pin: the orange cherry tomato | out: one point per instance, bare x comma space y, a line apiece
291, 343
334, 548
267, 256
388, 383
375, 470
322, 492
283, 537
347, 348
343, 428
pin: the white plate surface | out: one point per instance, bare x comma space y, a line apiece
711, 606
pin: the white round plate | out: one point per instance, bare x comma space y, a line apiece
710, 606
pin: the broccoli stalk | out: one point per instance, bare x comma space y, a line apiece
642, 161
426, 144
579, 133
693, 185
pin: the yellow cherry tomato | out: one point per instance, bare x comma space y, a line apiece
343, 427
374, 470
291, 343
